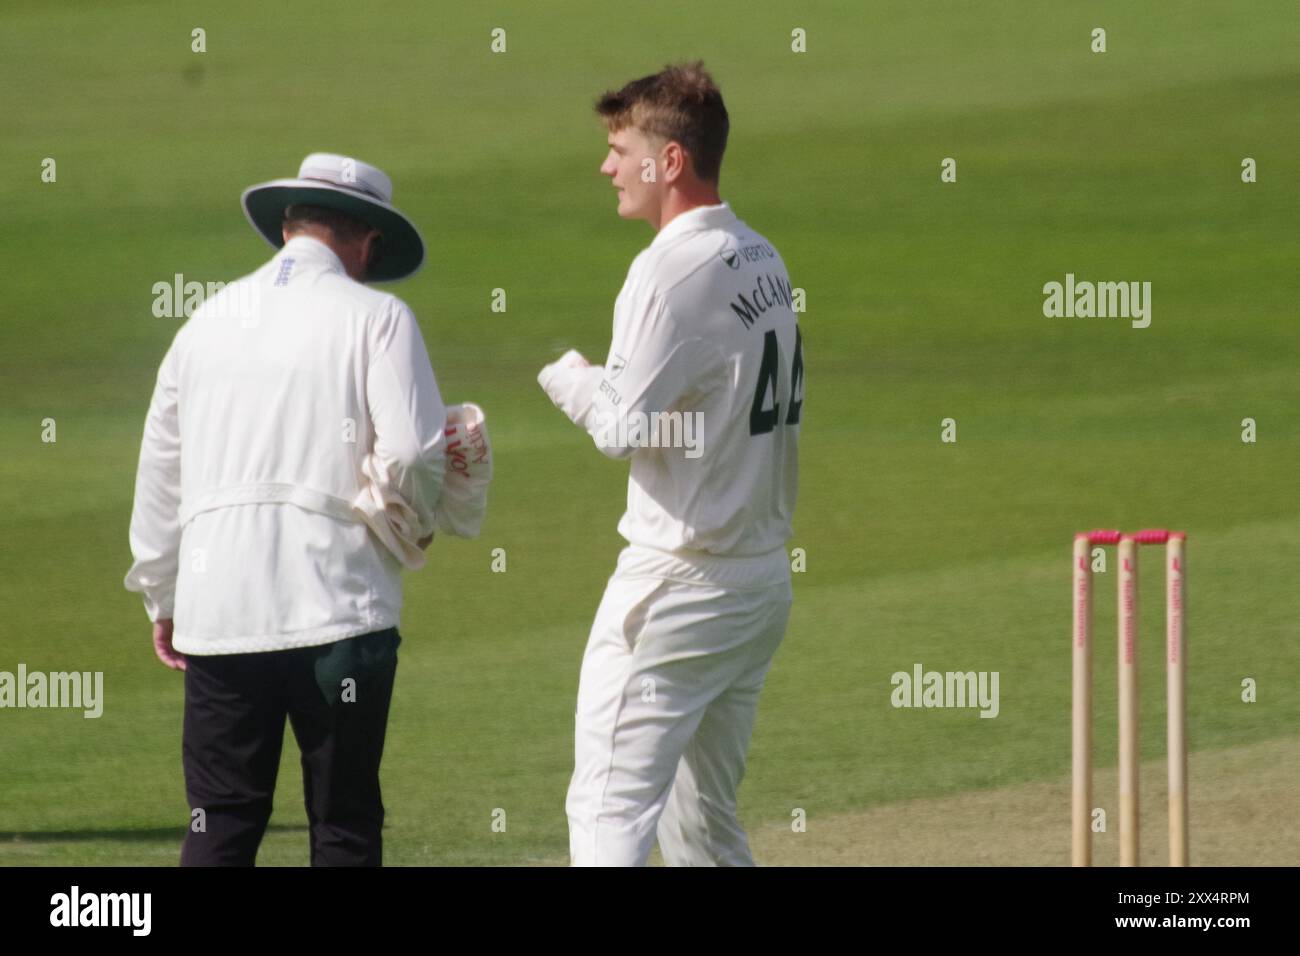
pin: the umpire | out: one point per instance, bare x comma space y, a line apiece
292, 460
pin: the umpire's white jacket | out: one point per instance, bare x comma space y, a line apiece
288, 397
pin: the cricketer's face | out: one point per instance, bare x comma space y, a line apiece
627, 167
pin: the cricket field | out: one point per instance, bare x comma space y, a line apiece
924, 321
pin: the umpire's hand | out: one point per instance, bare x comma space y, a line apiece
162, 645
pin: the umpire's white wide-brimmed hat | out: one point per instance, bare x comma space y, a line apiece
350, 186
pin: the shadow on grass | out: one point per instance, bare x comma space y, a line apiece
155, 835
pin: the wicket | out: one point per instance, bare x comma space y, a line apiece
1176, 684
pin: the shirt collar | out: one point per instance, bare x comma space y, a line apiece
693, 220
306, 247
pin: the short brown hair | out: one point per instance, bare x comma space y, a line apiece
679, 103
346, 227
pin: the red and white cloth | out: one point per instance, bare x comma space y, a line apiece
462, 505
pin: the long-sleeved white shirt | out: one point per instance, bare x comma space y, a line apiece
704, 328
275, 402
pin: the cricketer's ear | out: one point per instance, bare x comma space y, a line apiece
674, 161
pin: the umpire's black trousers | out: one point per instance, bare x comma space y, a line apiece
336, 697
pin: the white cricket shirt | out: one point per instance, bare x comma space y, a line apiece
273, 403
704, 326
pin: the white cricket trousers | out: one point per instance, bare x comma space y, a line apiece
666, 705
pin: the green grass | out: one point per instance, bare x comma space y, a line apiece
924, 302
